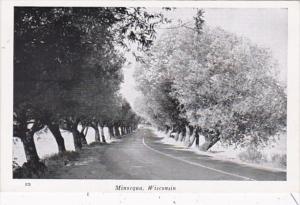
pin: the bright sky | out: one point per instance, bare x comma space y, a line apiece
265, 27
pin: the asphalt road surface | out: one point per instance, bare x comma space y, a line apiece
140, 155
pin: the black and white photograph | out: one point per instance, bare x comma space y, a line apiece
137, 97
150, 93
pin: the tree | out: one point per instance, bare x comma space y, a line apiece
52, 46
222, 82
155, 80
226, 73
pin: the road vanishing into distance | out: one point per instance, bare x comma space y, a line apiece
140, 155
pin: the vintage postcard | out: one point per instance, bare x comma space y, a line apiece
152, 97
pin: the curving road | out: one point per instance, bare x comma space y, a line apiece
141, 156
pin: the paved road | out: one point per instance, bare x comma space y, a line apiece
141, 156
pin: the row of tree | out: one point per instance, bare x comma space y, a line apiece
206, 81
67, 70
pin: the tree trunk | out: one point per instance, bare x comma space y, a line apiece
97, 133
197, 139
167, 129
188, 134
123, 130
77, 139
86, 131
27, 137
193, 137
169, 134
111, 131
71, 125
208, 144
210, 140
102, 134
176, 136
82, 136
33, 164
54, 128
117, 131
29, 147
182, 134
35, 168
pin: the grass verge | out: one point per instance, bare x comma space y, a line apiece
49, 164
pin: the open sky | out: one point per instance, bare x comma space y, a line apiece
265, 27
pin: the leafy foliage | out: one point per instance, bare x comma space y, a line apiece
67, 64
66, 60
221, 83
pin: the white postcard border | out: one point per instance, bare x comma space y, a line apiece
182, 186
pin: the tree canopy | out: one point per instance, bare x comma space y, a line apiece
67, 67
213, 80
